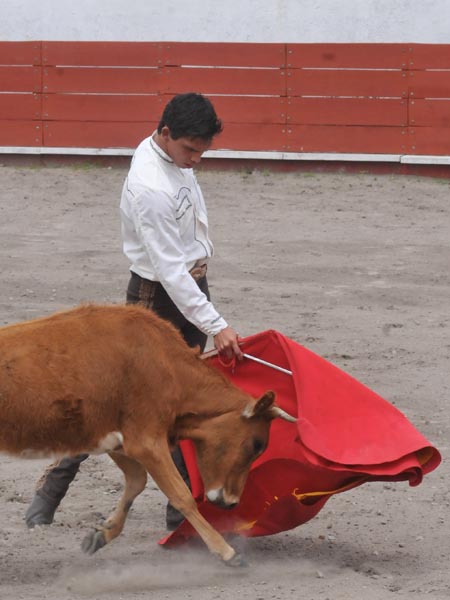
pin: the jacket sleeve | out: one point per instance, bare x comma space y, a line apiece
154, 219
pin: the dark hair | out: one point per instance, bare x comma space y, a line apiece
190, 115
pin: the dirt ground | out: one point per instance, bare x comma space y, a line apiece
356, 268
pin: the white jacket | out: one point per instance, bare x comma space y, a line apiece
165, 231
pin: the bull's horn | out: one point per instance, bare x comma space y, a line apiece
276, 411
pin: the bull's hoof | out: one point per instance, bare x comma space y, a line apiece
237, 560
93, 542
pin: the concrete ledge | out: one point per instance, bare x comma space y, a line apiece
425, 160
41, 150
309, 156
243, 155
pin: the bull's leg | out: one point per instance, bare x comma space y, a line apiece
158, 462
135, 480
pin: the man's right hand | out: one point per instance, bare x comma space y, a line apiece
226, 342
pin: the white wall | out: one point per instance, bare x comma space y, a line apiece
422, 21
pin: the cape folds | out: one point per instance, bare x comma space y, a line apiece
345, 435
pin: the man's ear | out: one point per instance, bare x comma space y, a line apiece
165, 133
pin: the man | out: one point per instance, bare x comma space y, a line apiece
165, 238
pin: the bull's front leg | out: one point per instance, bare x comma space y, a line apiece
135, 480
157, 459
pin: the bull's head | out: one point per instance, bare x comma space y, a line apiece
228, 445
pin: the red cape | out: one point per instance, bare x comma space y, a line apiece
346, 434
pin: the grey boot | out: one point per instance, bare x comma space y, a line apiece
40, 512
52, 488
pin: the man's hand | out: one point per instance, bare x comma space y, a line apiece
226, 342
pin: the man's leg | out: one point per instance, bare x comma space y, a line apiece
154, 297
193, 337
173, 516
52, 488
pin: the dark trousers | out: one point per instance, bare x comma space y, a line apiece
152, 295
54, 483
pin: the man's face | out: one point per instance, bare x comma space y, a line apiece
185, 152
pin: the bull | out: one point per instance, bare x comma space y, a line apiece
120, 380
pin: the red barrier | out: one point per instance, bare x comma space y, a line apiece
346, 98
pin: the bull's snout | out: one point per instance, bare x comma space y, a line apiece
221, 499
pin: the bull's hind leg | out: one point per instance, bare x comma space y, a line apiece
135, 480
158, 462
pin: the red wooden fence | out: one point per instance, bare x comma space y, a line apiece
325, 98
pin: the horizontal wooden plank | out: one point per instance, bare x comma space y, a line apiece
347, 111
248, 109
20, 79
20, 53
353, 139
75, 134
102, 80
20, 106
128, 135
240, 136
430, 113
103, 107
429, 84
349, 56
224, 54
20, 133
167, 53
429, 56
132, 54
224, 81
430, 140
371, 140
330, 82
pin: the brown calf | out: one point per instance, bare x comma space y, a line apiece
120, 380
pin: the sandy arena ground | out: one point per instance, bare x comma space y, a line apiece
356, 268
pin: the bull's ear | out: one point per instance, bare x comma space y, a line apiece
261, 407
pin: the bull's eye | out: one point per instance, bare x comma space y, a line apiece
258, 446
